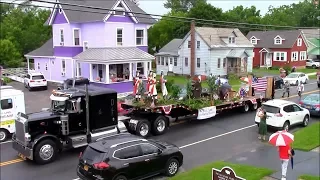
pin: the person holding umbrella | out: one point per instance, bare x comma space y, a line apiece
283, 139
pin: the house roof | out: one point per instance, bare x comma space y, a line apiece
45, 50
114, 54
314, 51
171, 48
213, 37
82, 14
236, 53
267, 38
314, 42
311, 33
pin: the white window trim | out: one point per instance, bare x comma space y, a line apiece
54, 14
297, 55
119, 9
117, 36
275, 57
255, 39
276, 38
199, 62
60, 35
144, 36
38, 66
84, 42
79, 36
60, 11
199, 45
305, 55
299, 42
65, 63
126, 9
230, 37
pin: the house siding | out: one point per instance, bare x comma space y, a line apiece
296, 48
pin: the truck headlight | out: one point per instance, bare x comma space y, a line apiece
27, 137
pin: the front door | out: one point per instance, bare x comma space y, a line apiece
170, 64
154, 162
119, 70
100, 71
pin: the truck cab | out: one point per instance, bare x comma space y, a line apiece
12, 102
78, 115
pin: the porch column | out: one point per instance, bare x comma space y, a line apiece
145, 68
260, 58
90, 72
28, 64
107, 74
130, 72
77, 70
150, 65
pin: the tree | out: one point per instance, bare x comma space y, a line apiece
203, 10
9, 55
181, 5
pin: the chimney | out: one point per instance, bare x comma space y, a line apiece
192, 49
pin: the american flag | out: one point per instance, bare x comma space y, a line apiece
259, 84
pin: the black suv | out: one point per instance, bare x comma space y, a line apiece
126, 156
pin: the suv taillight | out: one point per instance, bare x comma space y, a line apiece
101, 165
279, 115
44, 80
32, 81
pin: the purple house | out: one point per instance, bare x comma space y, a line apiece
108, 47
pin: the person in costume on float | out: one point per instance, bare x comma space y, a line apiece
153, 88
148, 83
163, 85
137, 83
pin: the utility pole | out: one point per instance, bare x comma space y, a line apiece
192, 49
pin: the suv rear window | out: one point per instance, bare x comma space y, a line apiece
37, 77
92, 155
270, 109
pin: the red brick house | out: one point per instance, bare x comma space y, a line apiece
278, 48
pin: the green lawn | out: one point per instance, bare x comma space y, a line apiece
263, 71
308, 177
205, 172
313, 77
307, 138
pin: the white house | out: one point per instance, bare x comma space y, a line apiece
218, 51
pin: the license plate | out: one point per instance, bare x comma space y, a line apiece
308, 107
133, 121
22, 156
85, 167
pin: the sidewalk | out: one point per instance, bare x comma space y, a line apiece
267, 156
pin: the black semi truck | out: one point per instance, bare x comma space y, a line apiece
80, 113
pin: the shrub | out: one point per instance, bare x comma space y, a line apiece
175, 91
7, 80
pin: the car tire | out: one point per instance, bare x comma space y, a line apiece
305, 121
29, 88
318, 85
286, 126
43, 149
120, 177
143, 128
160, 125
172, 167
45, 88
314, 66
3, 135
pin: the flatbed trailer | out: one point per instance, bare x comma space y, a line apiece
156, 120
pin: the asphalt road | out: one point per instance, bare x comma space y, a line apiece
201, 141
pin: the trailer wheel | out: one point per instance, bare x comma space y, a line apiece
45, 151
160, 125
143, 128
246, 107
3, 135
254, 106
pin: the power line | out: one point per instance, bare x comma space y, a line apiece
177, 17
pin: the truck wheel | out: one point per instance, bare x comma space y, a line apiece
45, 151
254, 106
3, 135
246, 107
159, 125
143, 128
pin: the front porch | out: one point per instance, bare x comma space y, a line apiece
237, 61
114, 68
265, 57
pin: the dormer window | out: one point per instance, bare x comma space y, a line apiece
254, 40
278, 40
119, 10
232, 40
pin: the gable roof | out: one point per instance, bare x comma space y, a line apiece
213, 37
82, 14
171, 48
45, 50
267, 38
311, 33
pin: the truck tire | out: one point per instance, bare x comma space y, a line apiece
246, 107
160, 125
143, 128
45, 151
254, 107
3, 135
318, 85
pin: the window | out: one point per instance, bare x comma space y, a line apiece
253, 40
46, 66
299, 43
61, 36
6, 104
186, 61
38, 65
37, 77
232, 40
189, 44
76, 37
119, 11
60, 10
78, 69
139, 36
224, 62
198, 62
140, 68
148, 149
162, 61
119, 36
294, 56
63, 66
158, 58
85, 45
296, 108
175, 61
166, 61
277, 40
94, 155
280, 56
129, 152
198, 44
170, 61
288, 108
303, 55
219, 62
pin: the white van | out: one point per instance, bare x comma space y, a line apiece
12, 102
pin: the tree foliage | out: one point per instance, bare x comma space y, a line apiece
182, 5
9, 55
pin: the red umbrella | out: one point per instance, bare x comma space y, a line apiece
281, 138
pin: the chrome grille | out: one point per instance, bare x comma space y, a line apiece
20, 129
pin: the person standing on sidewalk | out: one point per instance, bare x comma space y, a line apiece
263, 124
284, 155
286, 89
300, 89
